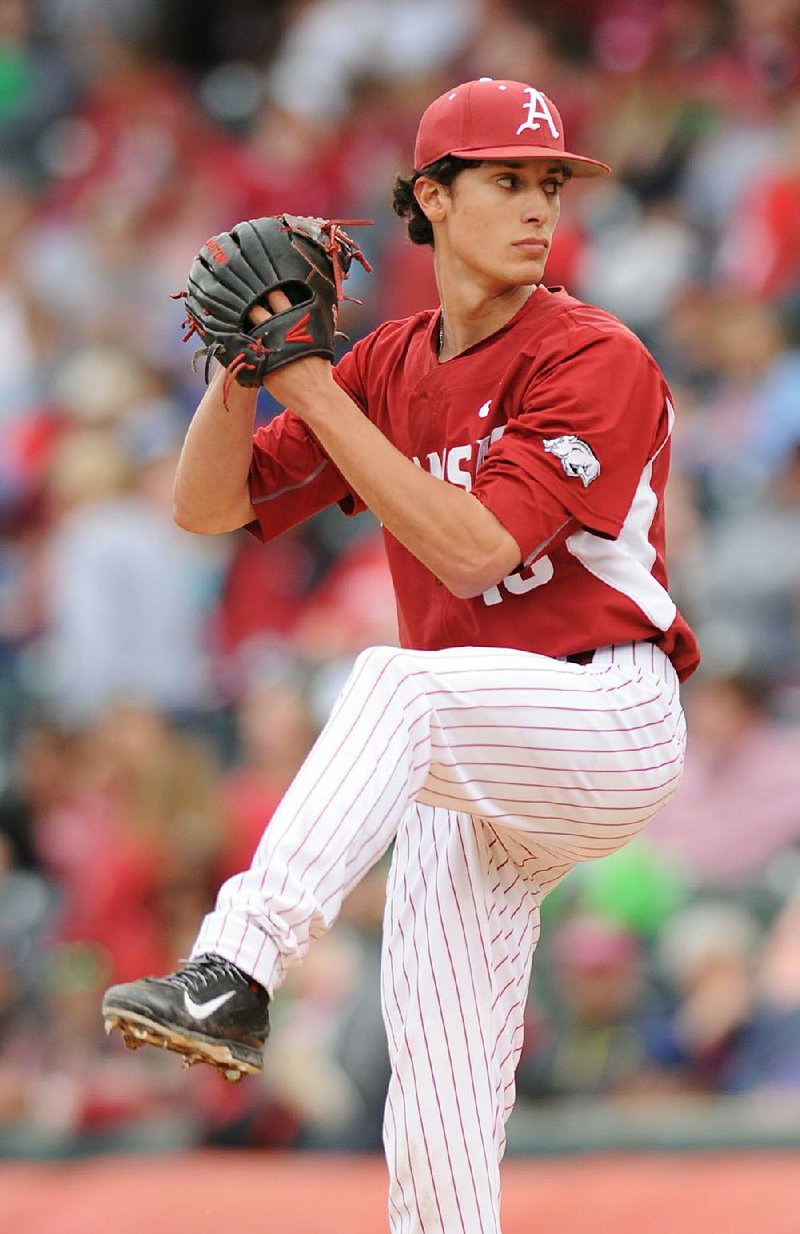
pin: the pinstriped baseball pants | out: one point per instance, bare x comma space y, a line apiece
495, 771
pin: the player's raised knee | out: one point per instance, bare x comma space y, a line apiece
380, 659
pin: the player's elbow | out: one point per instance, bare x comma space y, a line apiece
464, 589
193, 510
468, 586
472, 578
198, 522
187, 523
483, 566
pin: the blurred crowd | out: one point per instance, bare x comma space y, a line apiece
158, 690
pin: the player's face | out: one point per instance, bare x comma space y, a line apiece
497, 221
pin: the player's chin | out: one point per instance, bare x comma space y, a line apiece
529, 266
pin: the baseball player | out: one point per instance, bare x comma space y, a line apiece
514, 444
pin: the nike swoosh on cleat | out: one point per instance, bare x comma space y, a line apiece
201, 1011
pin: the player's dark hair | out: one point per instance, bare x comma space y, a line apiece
405, 204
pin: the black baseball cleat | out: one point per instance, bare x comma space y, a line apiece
209, 1011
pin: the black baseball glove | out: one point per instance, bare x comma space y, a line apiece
306, 258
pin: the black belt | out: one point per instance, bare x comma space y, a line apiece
580, 657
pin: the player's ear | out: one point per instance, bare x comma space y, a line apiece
432, 198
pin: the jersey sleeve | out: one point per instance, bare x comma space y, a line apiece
590, 419
291, 477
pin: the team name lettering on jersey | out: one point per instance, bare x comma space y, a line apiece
452, 464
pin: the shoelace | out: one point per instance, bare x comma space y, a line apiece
201, 973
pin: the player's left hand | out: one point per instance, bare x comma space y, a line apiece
306, 259
303, 379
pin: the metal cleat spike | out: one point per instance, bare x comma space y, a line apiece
232, 1075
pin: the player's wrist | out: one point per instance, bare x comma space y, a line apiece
306, 386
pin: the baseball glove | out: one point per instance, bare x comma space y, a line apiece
306, 258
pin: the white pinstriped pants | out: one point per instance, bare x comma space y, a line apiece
495, 771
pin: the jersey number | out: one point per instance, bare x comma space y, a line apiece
535, 575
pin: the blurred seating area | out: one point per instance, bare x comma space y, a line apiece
158, 690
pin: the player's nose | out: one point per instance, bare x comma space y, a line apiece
537, 206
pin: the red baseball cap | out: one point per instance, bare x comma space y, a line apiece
488, 119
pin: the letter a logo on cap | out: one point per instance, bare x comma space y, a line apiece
537, 109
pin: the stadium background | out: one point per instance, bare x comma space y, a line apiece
157, 691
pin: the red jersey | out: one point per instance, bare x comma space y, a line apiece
560, 424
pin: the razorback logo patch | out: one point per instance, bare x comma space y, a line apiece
577, 457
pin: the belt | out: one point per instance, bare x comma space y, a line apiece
580, 657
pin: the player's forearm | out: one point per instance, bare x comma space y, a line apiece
211, 492
446, 528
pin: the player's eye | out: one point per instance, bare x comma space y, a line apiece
508, 180
552, 187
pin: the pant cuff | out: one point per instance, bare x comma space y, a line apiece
238, 940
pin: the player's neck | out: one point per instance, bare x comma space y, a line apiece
470, 315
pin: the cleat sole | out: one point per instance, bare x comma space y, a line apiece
137, 1031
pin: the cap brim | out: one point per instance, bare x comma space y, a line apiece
580, 165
